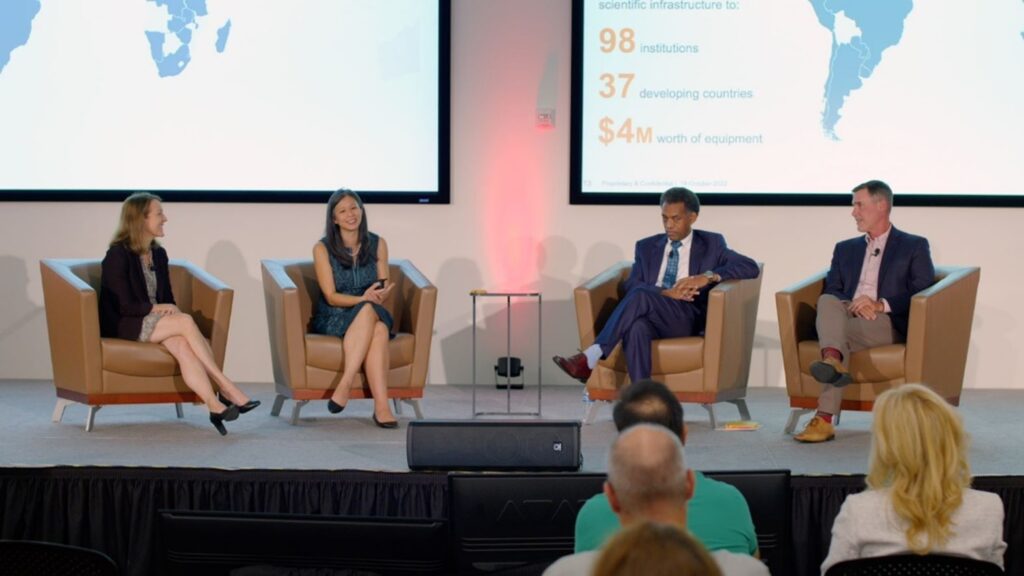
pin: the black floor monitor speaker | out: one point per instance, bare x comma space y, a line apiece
493, 445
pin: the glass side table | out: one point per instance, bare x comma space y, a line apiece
508, 296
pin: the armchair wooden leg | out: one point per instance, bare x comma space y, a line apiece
794, 418
278, 404
58, 410
91, 417
178, 410
741, 403
295, 411
711, 414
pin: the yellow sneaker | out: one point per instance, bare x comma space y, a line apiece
817, 430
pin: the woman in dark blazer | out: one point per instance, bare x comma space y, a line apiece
136, 303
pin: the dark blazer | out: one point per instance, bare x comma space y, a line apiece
123, 299
708, 252
906, 269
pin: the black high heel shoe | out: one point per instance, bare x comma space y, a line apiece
219, 418
334, 408
391, 424
251, 404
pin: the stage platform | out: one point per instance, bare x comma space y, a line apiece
151, 435
105, 489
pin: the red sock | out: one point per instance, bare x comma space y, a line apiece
825, 417
831, 353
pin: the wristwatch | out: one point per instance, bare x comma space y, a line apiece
712, 277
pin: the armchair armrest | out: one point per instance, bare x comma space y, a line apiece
595, 300
796, 307
939, 330
286, 328
73, 326
729, 332
419, 299
210, 307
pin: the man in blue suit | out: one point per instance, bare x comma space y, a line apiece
666, 294
866, 299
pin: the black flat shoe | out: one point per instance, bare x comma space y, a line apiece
391, 424
334, 408
218, 419
250, 405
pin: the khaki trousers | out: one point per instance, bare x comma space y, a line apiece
839, 329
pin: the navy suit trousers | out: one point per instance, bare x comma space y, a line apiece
644, 315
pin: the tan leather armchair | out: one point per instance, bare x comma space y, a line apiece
308, 366
702, 369
935, 353
98, 371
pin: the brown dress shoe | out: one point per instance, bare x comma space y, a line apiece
831, 371
817, 430
575, 366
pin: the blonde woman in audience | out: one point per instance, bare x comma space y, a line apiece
650, 549
918, 498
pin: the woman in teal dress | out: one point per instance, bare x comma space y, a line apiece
350, 262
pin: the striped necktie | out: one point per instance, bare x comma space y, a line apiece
672, 269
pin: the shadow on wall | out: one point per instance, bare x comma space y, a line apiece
600, 257
766, 358
22, 324
557, 258
456, 277
247, 358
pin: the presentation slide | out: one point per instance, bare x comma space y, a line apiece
222, 95
761, 97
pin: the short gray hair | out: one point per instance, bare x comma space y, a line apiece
877, 189
646, 465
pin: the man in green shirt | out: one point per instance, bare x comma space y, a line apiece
718, 514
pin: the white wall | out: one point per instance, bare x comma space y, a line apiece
509, 225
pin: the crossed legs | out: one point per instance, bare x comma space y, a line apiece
182, 338
840, 331
642, 316
366, 347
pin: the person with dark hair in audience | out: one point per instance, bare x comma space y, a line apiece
866, 298
136, 303
919, 497
352, 271
648, 481
666, 294
651, 549
718, 514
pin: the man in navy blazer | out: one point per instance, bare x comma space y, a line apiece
866, 299
666, 294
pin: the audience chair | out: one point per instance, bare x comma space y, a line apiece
97, 371
914, 565
308, 366
704, 369
31, 558
768, 495
935, 353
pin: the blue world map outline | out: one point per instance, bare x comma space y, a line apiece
16, 18
184, 15
15, 26
880, 23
